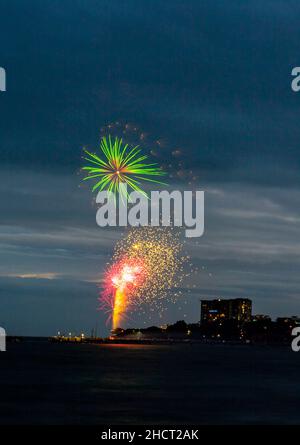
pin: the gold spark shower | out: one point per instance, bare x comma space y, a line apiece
147, 268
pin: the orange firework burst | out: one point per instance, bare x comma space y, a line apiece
121, 281
147, 265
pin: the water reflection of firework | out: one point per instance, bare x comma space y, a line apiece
147, 265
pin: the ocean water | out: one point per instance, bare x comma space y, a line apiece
47, 383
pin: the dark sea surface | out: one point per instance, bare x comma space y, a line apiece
48, 383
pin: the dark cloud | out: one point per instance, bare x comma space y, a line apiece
211, 76
54, 253
35, 306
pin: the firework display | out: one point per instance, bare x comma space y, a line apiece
147, 268
119, 164
173, 158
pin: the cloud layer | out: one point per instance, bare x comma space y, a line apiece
210, 78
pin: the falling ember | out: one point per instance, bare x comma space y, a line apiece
147, 264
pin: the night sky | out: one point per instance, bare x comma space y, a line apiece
208, 84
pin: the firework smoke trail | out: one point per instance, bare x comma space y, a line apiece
120, 304
146, 265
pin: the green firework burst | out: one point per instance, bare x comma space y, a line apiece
119, 164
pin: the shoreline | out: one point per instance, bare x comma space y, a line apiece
156, 342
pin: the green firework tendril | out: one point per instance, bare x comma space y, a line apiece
119, 164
